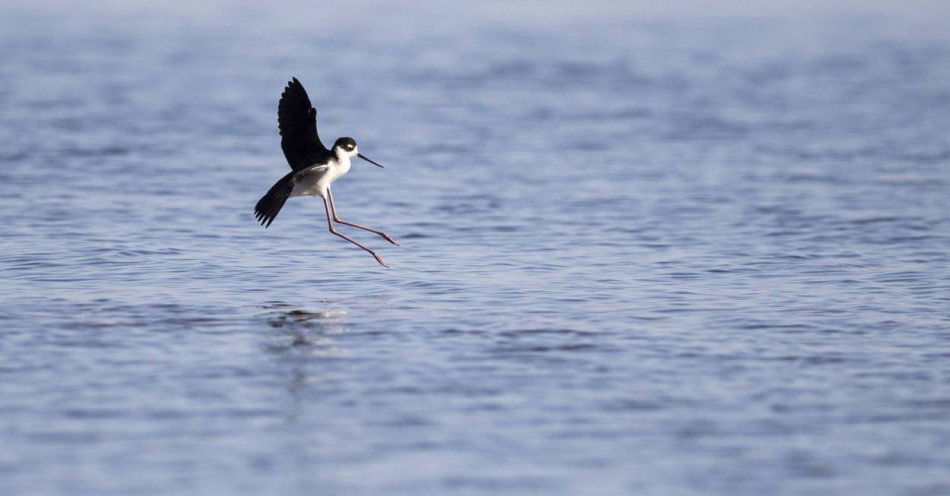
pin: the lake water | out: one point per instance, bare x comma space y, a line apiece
641, 254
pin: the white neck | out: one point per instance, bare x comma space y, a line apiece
342, 154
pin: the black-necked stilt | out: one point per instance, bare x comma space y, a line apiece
314, 167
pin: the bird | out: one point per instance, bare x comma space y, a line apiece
313, 166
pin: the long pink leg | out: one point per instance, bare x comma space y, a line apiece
330, 225
341, 221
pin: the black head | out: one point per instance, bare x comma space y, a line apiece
347, 146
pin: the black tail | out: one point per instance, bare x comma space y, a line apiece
271, 203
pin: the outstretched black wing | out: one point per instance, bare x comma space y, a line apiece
297, 121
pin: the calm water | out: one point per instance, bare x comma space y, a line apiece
639, 255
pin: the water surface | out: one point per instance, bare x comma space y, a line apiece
640, 255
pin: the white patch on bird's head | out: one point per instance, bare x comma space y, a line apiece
345, 147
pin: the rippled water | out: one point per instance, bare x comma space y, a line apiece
639, 256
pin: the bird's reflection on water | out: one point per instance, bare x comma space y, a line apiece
308, 330
299, 338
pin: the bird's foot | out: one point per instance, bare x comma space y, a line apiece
380, 260
388, 238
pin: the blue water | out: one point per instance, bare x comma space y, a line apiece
641, 254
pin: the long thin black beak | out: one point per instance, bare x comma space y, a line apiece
360, 155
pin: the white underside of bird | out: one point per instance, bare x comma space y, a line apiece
316, 180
